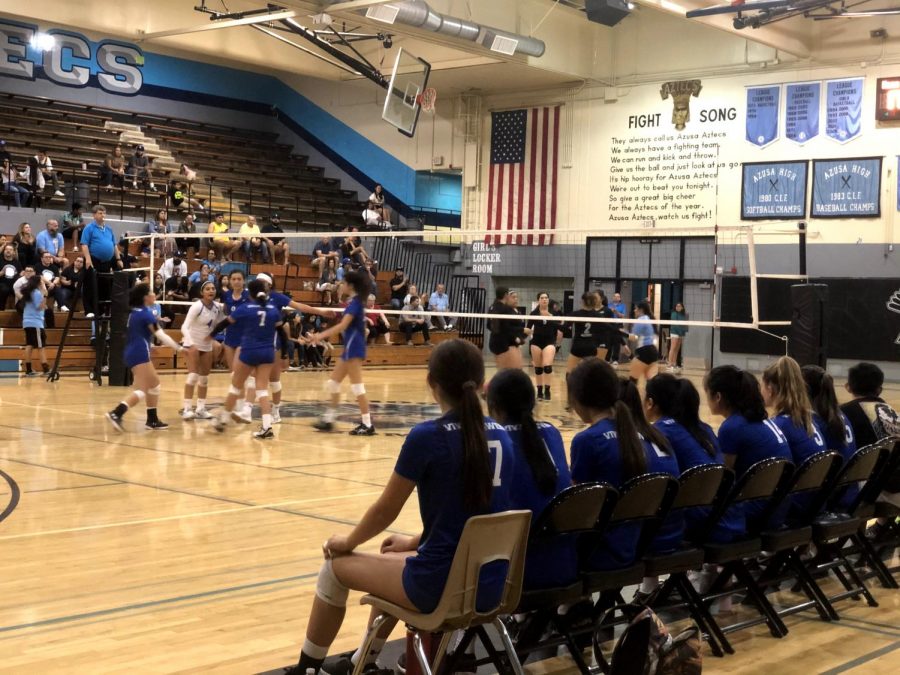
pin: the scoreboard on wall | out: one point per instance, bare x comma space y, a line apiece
887, 104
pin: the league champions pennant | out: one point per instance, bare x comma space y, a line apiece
843, 109
801, 111
762, 114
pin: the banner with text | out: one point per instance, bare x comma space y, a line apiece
801, 111
846, 188
762, 114
843, 109
774, 191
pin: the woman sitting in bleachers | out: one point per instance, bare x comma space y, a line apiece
9, 177
10, 271
69, 284
26, 246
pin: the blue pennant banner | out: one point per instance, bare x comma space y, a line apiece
847, 188
843, 109
801, 111
774, 191
762, 114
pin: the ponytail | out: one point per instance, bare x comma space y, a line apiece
820, 387
791, 398
631, 449
629, 395
257, 291
678, 399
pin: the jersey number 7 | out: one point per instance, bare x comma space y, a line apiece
497, 448
262, 317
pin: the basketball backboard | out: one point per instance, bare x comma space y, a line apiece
403, 102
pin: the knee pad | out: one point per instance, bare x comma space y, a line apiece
155, 390
329, 589
538, 371
250, 382
192, 379
261, 394
548, 370
332, 387
235, 391
203, 380
358, 389
275, 387
140, 395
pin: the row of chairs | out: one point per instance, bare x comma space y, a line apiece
588, 511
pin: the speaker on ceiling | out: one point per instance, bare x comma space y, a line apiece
607, 12
808, 338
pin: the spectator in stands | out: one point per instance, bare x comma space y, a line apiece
139, 168
221, 244
172, 266
164, 247
27, 273
399, 288
413, 291
373, 217
198, 278
351, 247
322, 251
440, 302
44, 172
177, 289
189, 174
51, 241
73, 224
9, 176
276, 243
26, 246
70, 281
112, 173
372, 271
10, 271
413, 320
4, 153
377, 198
187, 226
49, 271
252, 241
376, 322
328, 282
101, 257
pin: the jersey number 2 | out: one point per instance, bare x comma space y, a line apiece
497, 449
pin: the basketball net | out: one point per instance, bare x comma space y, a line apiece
428, 99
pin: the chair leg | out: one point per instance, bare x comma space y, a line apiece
858, 582
367, 643
508, 646
874, 561
701, 614
776, 625
823, 605
442, 649
421, 657
495, 657
572, 646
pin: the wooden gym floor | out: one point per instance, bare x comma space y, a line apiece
187, 551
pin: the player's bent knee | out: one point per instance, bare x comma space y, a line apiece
139, 394
192, 379
538, 370
358, 389
329, 589
275, 387
154, 391
332, 387
548, 370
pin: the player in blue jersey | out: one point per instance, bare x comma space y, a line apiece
831, 422
646, 356
609, 450
352, 327
258, 320
233, 297
461, 464
142, 328
672, 404
785, 392
541, 473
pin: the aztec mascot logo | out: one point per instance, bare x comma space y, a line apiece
681, 92
893, 305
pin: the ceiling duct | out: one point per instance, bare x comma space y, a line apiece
418, 14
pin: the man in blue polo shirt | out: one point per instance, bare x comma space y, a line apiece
101, 256
621, 312
51, 241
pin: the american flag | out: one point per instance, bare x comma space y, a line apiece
524, 171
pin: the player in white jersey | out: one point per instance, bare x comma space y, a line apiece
201, 318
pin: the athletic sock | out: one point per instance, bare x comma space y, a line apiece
28, 368
239, 404
330, 414
546, 390
367, 419
45, 367
267, 421
311, 657
121, 409
201, 404
151, 415
187, 404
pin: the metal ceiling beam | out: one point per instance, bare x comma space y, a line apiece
218, 25
352, 5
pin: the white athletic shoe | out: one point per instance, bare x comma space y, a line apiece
59, 193
152, 187
187, 414
63, 309
276, 415
247, 411
202, 414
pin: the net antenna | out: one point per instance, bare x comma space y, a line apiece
406, 93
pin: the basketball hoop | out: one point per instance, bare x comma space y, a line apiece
427, 99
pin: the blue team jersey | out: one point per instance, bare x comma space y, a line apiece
233, 333
554, 562
802, 443
354, 336
141, 326
280, 300
845, 446
596, 457
690, 453
258, 325
432, 456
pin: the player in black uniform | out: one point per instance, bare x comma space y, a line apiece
546, 332
506, 334
586, 335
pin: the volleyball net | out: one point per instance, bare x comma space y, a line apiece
715, 272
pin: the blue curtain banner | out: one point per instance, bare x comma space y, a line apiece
846, 188
801, 111
762, 114
843, 109
774, 190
